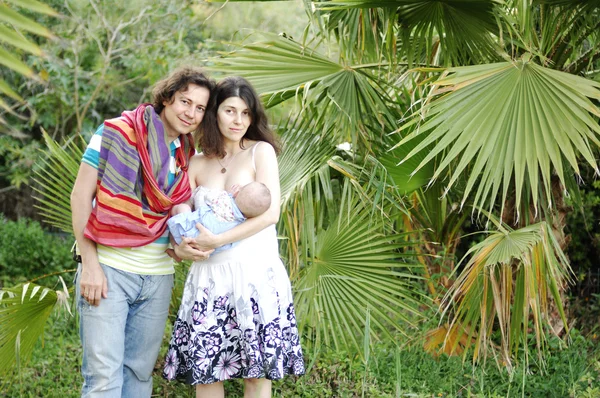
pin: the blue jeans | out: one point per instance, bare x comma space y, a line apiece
122, 336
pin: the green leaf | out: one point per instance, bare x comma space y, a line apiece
305, 151
35, 6
280, 68
19, 21
504, 125
462, 27
261, 1
55, 176
276, 64
23, 313
485, 294
402, 173
5, 89
11, 37
571, 3
356, 266
12, 62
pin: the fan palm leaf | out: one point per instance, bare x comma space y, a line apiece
586, 4
54, 179
356, 266
280, 68
402, 172
305, 151
303, 162
507, 280
363, 35
563, 35
463, 28
507, 124
23, 313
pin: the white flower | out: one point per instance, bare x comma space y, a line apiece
227, 366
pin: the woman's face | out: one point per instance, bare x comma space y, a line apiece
233, 118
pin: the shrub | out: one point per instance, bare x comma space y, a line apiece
27, 251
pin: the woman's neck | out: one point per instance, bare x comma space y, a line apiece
233, 148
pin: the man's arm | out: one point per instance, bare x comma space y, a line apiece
92, 280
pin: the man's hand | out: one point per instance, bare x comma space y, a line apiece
92, 283
171, 253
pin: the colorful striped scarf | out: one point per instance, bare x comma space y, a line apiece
133, 194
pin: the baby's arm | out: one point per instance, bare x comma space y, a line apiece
180, 208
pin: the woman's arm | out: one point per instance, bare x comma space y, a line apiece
187, 249
266, 172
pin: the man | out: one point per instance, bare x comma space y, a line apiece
133, 171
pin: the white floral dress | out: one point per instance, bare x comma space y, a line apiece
236, 318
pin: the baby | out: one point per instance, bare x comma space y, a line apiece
221, 212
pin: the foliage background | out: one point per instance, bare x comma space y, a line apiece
106, 56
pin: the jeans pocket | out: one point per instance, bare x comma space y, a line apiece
76, 276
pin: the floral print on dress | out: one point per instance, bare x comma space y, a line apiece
203, 353
171, 365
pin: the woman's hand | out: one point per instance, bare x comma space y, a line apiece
206, 240
189, 250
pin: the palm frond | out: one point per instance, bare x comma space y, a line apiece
277, 64
506, 124
35, 6
13, 37
303, 167
463, 28
305, 152
588, 4
356, 266
363, 35
7, 90
23, 313
17, 20
280, 68
508, 280
402, 172
55, 177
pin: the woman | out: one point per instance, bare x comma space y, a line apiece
236, 318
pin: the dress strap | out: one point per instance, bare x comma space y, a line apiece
253, 151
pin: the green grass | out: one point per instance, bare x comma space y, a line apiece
53, 371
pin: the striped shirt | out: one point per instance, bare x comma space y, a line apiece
150, 259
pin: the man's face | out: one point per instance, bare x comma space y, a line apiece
186, 110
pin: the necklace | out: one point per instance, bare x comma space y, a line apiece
224, 167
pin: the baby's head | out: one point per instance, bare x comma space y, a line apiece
253, 199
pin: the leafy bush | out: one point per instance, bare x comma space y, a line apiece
27, 251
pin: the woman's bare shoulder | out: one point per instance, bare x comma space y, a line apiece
263, 148
197, 159
196, 162
247, 144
